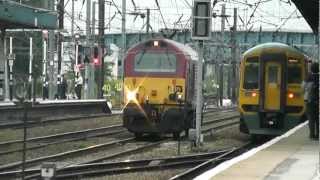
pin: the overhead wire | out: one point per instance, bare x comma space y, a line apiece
164, 22
257, 12
188, 4
116, 6
70, 16
285, 21
65, 5
252, 14
134, 4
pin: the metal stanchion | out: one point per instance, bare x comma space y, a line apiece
22, 96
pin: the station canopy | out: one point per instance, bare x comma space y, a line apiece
310, 11
14, 15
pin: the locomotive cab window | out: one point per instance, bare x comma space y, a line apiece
251, 73
294, 71
155, 62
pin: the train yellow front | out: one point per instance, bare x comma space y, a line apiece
270, 92
159, 77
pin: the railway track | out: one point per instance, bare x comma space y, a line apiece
82, 134
20, 124
110, 168
96, 132
90, 149
73, 153
64, 137
211, 163
213, 125
197, 163
38, 160
16, 174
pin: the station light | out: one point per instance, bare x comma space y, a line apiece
201, 20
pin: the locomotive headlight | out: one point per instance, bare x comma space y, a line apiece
291, 95
179, 96
254, 94
131, 95
155, 43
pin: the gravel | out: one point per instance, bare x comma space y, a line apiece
227, 138
55, 129
59, 127
153, 175
230, 137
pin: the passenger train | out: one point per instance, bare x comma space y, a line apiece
270, 93
159, 83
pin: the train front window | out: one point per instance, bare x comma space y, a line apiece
251, 74
273, 74
294, 74
155, 62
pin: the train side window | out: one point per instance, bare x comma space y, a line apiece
294, 74
251, 73
273, 74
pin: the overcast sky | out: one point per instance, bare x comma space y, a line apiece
270, 14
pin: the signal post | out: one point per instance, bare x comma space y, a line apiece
201, 31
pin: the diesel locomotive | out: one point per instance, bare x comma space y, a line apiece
270, 93
159, 82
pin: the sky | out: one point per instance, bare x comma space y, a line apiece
271, 15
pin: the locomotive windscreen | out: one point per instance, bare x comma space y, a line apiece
251, 73
155, 62
294, 73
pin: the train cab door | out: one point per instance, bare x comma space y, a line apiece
272, 86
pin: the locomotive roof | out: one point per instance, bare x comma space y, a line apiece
186, 49
273, 46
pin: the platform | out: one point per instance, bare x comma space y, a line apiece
40, 110
292, 156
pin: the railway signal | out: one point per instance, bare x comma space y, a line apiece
201, 30
95, 59
201, 20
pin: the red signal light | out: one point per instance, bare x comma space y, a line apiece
96, 61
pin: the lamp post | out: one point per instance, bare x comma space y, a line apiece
45, 84
11, 58
76, 38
